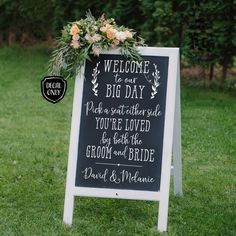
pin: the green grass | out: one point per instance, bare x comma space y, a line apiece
34, 139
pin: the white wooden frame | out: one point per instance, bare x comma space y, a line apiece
172, 129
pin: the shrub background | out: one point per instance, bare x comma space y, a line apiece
204, 30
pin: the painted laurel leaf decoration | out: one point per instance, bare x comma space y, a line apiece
95, 74
156, 83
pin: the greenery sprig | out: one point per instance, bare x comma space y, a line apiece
81, 39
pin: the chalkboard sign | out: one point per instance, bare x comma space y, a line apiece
122, 123
122, 128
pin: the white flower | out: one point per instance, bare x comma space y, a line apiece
121, 36
75, 44
128, 34
96, 50
87, 37
105, 28
75, 37
92, 39
115, 43
96, 38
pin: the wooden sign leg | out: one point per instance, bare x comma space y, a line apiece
73, 152
177, 171
68, 208
163, 212
177, 162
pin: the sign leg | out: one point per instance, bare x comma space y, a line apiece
68, 209
73, 152
177, 142
163, 213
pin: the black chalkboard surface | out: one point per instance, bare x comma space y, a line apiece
122, 123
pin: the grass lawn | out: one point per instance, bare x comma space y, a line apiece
34, 139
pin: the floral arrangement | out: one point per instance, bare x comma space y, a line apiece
81, 39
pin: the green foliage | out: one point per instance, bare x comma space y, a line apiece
26, 17
209, 33
80, 39
163, 22
125, 12
201, 44
206, 30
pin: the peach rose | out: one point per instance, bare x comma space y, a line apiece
111, 33
74, 29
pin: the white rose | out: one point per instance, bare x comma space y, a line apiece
121, 36
96, 50
128, 34
88, 37
75, 44
103, 29
75, 37
96, 37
